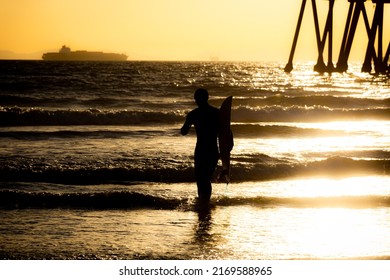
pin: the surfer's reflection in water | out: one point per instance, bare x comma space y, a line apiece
205, 120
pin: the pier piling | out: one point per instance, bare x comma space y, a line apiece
373, 55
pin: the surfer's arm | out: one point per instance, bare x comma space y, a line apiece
186, 126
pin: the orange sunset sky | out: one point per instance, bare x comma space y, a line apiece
249, 30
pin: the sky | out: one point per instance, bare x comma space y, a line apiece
242, 30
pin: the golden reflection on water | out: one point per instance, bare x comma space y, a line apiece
304, 188
339, 139
290, 233
284, 231
338, 233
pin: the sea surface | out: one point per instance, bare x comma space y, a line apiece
93, 166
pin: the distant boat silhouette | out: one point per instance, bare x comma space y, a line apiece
66, 54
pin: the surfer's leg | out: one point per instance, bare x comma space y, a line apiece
204, 170
204, 191
203, 183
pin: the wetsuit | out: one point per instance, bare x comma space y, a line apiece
205, 120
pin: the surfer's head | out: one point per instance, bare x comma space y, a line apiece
201, 96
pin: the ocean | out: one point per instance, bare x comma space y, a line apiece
93, 166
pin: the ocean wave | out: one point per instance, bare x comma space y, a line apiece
96, 200
329, 101
68, 100
278, 131
108, 102
93, 174
135, 200
244, 169
126, 100
16, 116
239, 130
89, 134
308, 202
336, 166
306, 113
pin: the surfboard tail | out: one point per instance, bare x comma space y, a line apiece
225, 138
224, 176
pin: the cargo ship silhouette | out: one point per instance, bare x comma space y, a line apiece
66, 54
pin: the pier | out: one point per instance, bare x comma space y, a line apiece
374, 60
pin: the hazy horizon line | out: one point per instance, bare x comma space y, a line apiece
36, 56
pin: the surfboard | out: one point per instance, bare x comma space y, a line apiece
225, 138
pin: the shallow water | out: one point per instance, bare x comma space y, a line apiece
294, 219
92, 165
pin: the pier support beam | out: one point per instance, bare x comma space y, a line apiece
328, 31
374, 33
356, 7
289, 66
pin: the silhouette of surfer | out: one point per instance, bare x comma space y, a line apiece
205, 118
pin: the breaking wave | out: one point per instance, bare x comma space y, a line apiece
252, 168
135, 200
278, 113
18, 116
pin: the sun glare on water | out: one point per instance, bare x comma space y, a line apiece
338, 233
338, 189
331, 139
317, 218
